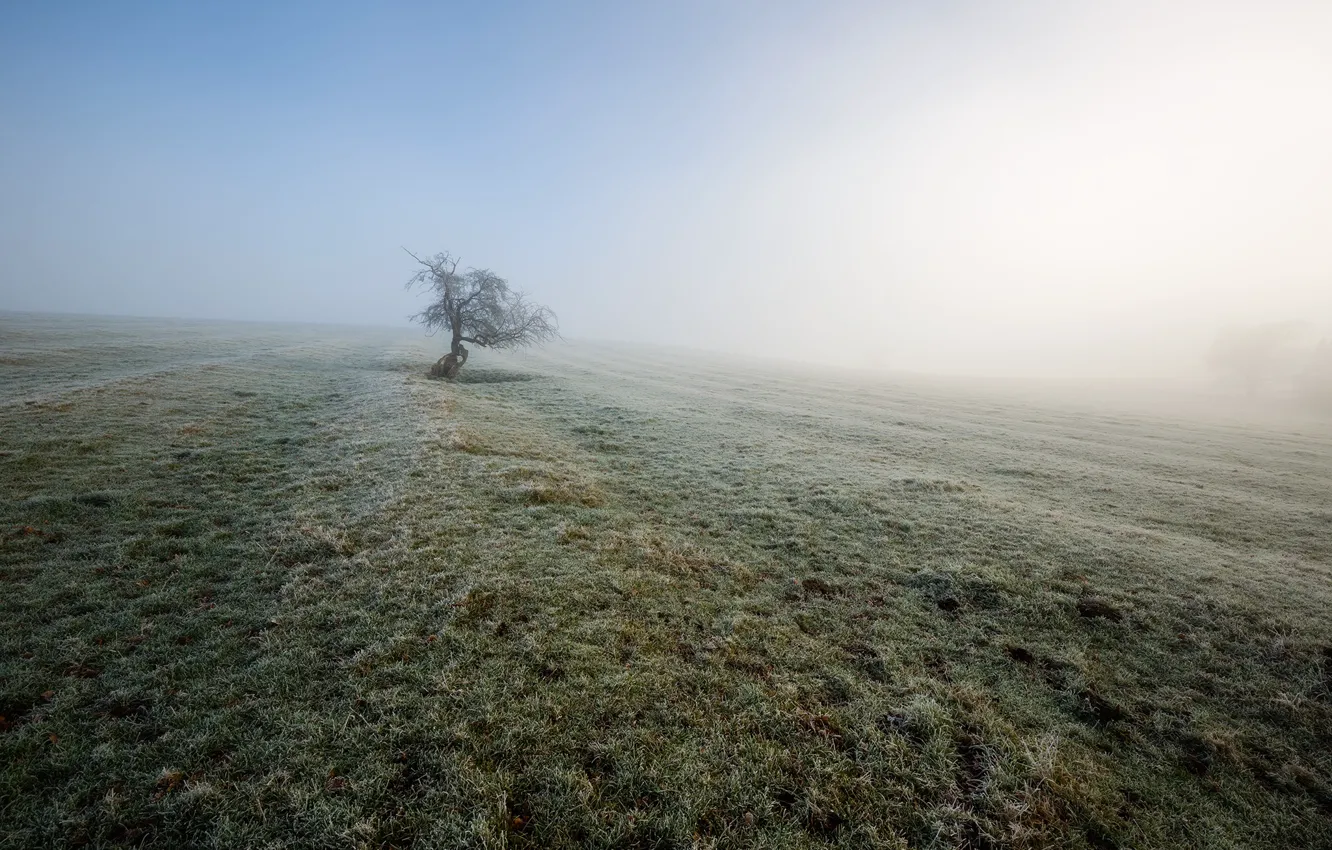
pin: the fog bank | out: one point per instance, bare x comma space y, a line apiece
1036, 188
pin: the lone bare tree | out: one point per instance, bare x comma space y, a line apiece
476, 306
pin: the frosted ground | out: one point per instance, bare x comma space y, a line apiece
269, 585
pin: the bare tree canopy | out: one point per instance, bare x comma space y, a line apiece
476, 306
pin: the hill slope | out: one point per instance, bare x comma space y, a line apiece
271, 586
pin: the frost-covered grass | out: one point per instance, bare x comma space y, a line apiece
269, 586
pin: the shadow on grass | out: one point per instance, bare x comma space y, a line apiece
491, 376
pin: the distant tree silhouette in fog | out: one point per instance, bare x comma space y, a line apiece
476, 306
1314, 384
1259, 359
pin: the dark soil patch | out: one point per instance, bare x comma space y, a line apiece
1198, 754
1099, 710
824, 823
1054, 671
897, 724
12, 712
133, 833
1099, 839
1093, 607
550, 672
818, 587
121, 707
1020, 654
786, 799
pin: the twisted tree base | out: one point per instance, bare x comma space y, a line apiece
448, 365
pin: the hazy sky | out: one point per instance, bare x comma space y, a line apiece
984, 187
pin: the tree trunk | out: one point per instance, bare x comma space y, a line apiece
448, 365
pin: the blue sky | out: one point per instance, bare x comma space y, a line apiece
954, 186
314, 139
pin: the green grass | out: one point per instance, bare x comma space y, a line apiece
273, 587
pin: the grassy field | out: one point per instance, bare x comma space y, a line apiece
270, 586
